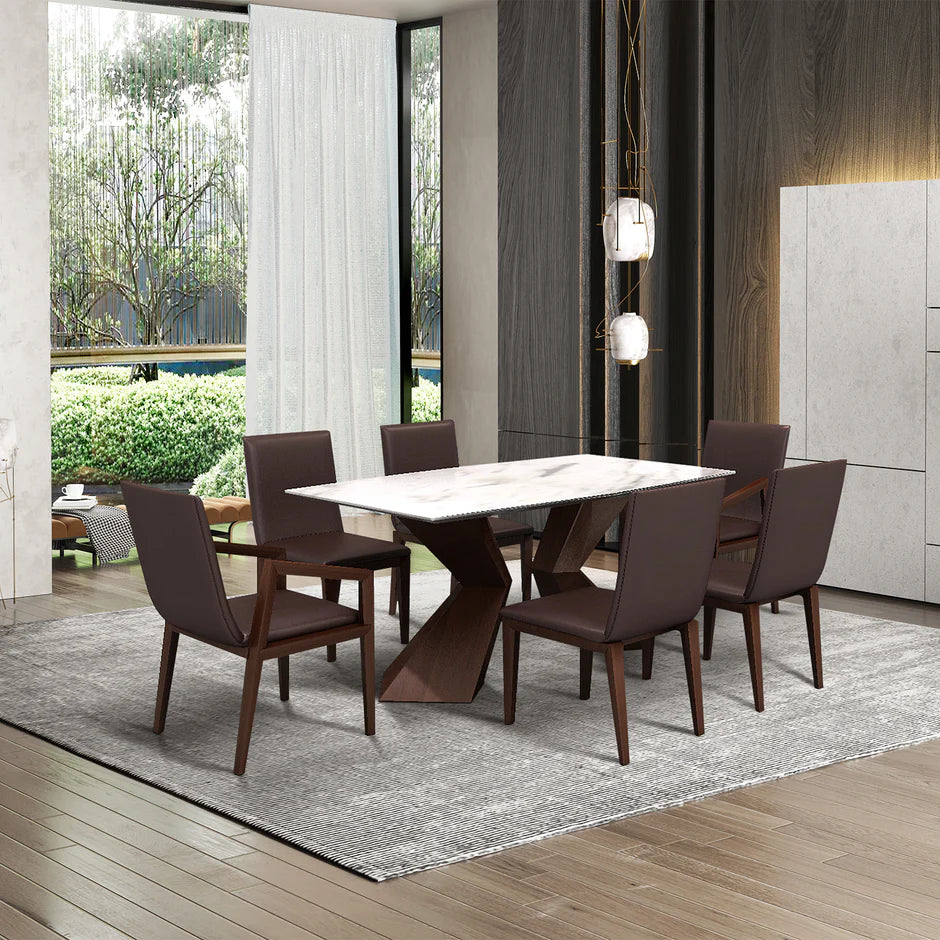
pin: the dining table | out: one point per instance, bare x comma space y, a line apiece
447, 659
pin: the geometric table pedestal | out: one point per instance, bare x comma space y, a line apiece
446, 660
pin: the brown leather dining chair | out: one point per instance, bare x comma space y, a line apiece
181, 569
666, 545
753, 451
432, 445
792, 546
311, 530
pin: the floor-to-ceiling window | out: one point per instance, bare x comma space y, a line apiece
148, 152
420, 101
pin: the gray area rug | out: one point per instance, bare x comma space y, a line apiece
441, 783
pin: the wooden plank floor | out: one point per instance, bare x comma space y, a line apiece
851, 850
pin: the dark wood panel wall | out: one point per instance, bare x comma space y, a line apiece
675, 295
545, 229
558, 393
542, 222
806, 93
745, 96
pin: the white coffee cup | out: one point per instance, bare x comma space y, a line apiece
73, 490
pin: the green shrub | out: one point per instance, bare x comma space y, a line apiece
235, 370
226, 478
94, 375
174, 429
426, 401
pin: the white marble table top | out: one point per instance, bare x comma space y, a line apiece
485, 489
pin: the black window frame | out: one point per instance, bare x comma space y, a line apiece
403, 62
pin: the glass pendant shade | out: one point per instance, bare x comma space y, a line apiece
7, 443
629, 230
629, 339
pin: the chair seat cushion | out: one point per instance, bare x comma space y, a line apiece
504, 530
735, 528
728, 580
509, 529
68, 527
293, 614
582, 612
341, 548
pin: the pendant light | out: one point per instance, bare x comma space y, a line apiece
629, 222
629, 339
629, 230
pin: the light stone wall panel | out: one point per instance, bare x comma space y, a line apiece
793, 223
878, 542
865, 328
24, 291
933, 248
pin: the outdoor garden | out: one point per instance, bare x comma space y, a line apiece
148, 152
178, 428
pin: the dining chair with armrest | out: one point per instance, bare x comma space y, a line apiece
792, 546
311, 530
432, 445
753, 451
181, 570
666, 547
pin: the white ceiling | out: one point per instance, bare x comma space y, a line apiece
401, 10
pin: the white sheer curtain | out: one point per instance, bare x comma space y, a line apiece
323, 312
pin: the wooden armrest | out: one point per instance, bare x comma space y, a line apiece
330, 572
242, 548
746, 492
267, 588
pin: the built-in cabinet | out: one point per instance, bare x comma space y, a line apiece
859, 275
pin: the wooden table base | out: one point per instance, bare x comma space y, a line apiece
447, 658
571, 533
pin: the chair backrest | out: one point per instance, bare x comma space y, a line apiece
802, 503
179, 562
409, 448
277, 462
667, 542
752, 450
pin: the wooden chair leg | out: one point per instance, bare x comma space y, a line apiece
331, 593
404, 599
648, 648
752, 637
811, 607
775, 607
393, 589
693, 674
393, 592
587, 667
709, 632
167, 662
249, 700
613, 656
525, 554
367, 658
283, 676
510, 672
